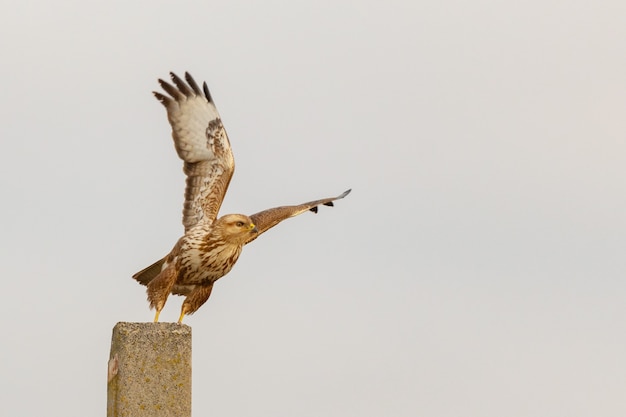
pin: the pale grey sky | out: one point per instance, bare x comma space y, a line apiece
477, 269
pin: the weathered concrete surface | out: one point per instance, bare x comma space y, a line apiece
149, 372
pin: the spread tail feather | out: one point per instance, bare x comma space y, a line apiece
147, 274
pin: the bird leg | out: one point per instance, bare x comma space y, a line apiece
159, 289
194, 300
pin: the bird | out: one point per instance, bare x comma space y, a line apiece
210, 245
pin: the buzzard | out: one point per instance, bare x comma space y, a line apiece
210, 245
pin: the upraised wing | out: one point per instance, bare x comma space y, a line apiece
266, 219
201, 142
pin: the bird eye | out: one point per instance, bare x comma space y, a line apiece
239, 224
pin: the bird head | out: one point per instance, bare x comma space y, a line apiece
235, 228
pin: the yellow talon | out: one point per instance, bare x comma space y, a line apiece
180, 319
156, 316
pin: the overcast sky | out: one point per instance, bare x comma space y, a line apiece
477, 268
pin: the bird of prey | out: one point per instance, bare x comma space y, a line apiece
210, 245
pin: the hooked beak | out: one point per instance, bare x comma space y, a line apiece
253, 228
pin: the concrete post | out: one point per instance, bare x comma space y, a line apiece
149, 372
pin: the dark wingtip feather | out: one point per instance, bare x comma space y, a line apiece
182, 87
163, 99
206, 92
313, 209
170, 89
329, 204
345, 193
192, 83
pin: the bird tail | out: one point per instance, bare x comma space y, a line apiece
147, 274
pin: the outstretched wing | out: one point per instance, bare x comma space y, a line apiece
201, 142
267, 219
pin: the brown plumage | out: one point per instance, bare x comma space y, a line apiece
210, 246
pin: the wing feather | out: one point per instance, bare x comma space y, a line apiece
202, 143
266, 219
192, 83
